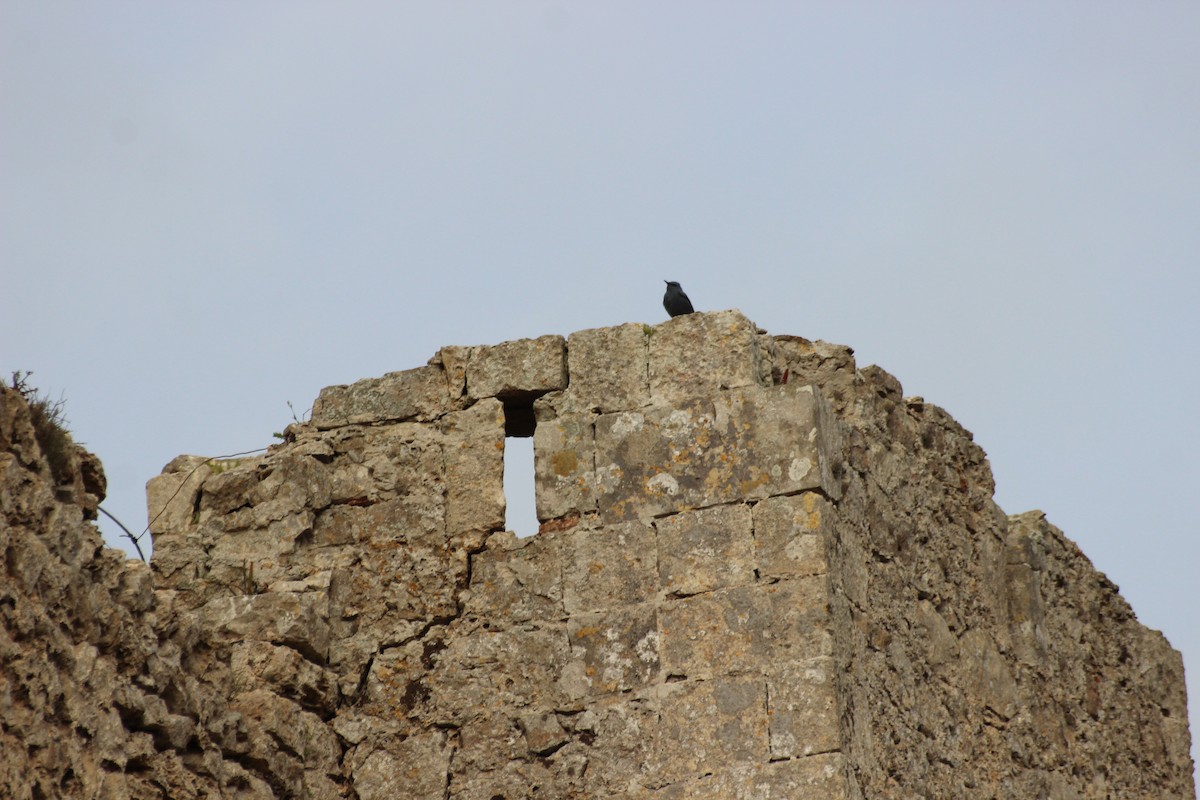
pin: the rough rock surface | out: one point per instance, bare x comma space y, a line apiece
762, 573
103, 690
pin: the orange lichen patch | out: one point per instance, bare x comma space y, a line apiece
811, 507
749, 486
559, 524
564, 462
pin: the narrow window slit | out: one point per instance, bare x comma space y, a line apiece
520, 514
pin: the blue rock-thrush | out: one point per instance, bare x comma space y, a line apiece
675, 301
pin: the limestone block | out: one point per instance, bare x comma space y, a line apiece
296, 743
523, 367
697, 355
987, 677
251, 559
707, 723
622, 730
474, 452
398, 583
931, 630
802, 708
416, 766
171, 496
608, 566
516, 580
489, 742
493, 761
288, 483
729, 630
818, 777
486, 670
699, 551
789, 435
453, 360
543, 732
414, 394
619, 648
790, 534
750, 444
822, 775
288, 618
402, 462
564, 465
608, 369
286, 672
830, 366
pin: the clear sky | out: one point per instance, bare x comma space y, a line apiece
208, 210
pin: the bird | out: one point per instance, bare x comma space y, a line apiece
675, 301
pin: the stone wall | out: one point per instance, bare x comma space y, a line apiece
761, 573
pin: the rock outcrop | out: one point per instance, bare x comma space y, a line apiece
761, 573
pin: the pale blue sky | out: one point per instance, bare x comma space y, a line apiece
211, 209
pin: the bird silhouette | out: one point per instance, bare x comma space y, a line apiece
675, 301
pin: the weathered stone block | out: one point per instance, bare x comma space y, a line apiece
416, 766
285, 671
296, 620
474, 452
706, 724
729, 629
564, 464
254, 558
784, 440
802, 708
622, 730
414, 394
543, 732
609, 566
395, 520
522, 367
485, 670
818, 779
296, 743
403, 462
698, 355
517, 580
822, 775
453, 360
608, 369
619, 648
699, 551
790, 534
493, 761
397, 584
987, 675
933, 633
171, 496
750, 444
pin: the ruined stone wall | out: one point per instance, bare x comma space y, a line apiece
96, 696
978, 655
761, 573
666, 633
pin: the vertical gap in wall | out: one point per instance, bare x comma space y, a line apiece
520, 514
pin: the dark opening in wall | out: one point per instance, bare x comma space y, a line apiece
518, 416
520, 514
